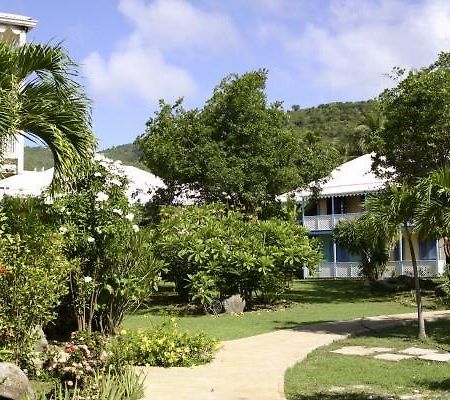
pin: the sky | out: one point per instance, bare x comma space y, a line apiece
134, 52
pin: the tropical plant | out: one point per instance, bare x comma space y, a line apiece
207, 248
117, 268
397, 206
362, 236
41, 99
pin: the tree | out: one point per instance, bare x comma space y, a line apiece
432, 219
394, 207
40, 99
237, 149
363, 237
413, 139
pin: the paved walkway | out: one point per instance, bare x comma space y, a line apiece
253, 368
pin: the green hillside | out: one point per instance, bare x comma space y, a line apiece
336, 123
41, 157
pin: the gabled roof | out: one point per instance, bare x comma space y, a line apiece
351, 178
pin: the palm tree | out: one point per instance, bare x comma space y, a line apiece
40, 99
433, 217
397, 206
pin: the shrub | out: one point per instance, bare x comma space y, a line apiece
33, 279
165, 346
207, 247
117, 268
77, 361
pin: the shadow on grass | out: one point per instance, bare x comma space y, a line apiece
437, 385
340, 396
405, 329
334, 291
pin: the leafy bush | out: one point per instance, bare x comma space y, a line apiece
33, 279
165, 346
117, 268
207, 247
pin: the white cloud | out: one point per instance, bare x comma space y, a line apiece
357, 46
134, 70
177, 24
162, 29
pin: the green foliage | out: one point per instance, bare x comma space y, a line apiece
237, 149
78, 361
343, 125
40, 97
362, 237
414, 138
33, 279
117, 268
241, 254
164, 346
103, 386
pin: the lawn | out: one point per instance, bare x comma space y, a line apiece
329, 376
309, 301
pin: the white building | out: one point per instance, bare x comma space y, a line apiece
14, 29
341, 197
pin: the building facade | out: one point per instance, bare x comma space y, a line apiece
13, 30
342, 197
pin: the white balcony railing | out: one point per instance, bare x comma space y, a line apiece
11, 148
427, 269
326, 222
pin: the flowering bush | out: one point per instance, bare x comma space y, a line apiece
208, 247
165, 346
76, 362
117, 267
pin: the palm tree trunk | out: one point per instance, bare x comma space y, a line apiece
422, 333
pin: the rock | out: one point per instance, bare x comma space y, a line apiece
41, 343
439, 290
14, 384
234, 304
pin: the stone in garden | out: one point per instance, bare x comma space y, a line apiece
417, 351
41, 343
392, 357
381, 349
355, 351
234, 304
14, 384
442, 357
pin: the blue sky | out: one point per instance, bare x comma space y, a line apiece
134, 52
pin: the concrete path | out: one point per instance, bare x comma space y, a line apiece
253, 368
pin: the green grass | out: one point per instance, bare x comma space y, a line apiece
312, 301
329, 376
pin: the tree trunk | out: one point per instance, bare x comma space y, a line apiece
422, 333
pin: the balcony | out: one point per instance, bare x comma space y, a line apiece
426, 269
12, 150
326, 222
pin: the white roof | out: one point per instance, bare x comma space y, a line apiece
142, 184
17, 20
351, 178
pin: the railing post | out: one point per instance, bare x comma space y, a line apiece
438, 257
334, 242
400, 249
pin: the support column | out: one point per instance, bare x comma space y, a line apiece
400, 248
439, 270
334, 243
303, 211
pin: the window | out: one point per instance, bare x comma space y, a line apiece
427, 249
